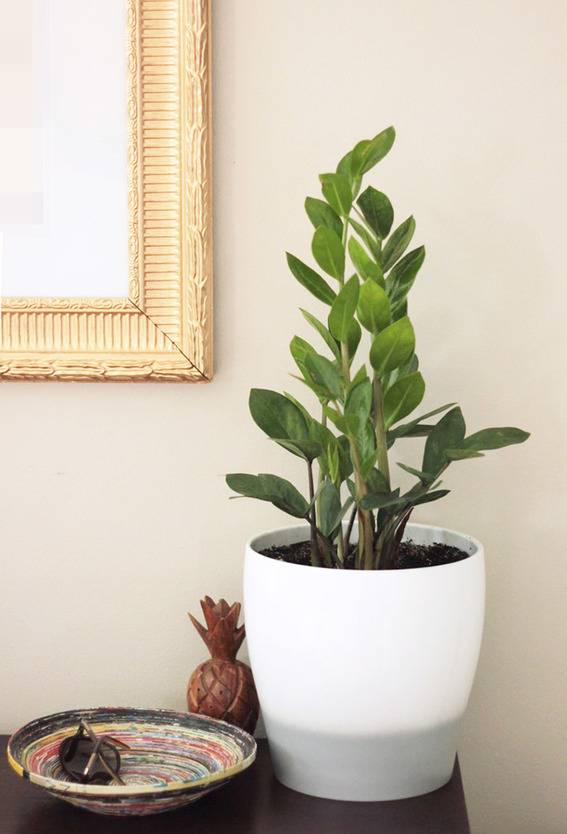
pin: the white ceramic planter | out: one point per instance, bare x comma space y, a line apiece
363, 676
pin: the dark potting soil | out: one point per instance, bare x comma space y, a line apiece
411, 555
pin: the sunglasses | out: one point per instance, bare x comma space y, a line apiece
91, 759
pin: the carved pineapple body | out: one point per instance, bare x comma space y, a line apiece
223, 687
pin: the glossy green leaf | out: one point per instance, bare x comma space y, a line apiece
407, 429
310, 279
424, 477
329, 508
409, 367
337, 192
397, 243
306, 449
403, 274
427, 498
363, 263
392, 346
345, 169
381, 500
495, 438
354, 336
373, 308
369, 152
299, 349
377, 482
320, 213
365, 441
326, 375
270, 488
371, 242
447, 434
377, 210
331, 342
358, 405
401, 399
462, 454
278, 417
343, 309
329, 252
345, 462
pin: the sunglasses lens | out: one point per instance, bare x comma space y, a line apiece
75, 754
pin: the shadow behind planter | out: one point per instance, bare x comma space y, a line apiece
364, 676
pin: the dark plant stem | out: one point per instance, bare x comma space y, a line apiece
349, 531
380, 429
315, 555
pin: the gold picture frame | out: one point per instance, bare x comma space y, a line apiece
163, 330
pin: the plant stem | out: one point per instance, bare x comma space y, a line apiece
320, 473
380, 429
349, 530
365, 532
315, 555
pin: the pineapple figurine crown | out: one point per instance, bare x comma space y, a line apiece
222, 635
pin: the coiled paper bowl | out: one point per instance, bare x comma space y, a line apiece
175, 758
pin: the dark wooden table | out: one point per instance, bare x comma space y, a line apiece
253, 803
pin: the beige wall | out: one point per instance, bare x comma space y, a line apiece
115, 516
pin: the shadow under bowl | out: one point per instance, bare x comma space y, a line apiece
175, 758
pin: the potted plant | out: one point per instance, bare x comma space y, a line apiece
364, 630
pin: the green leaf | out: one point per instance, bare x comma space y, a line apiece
279, 492
337, 192
321, 214
326, 374
447, 434
369, 152
343, 308
401, 399
380, 500
359, 375
363, 263
308, 419
424, 477
435, 495
299, 349
345, 463
397, 243
462, 454
354, 336
358, 405
345, 169
377, 482
377, 210
403, 274
329, 252
310, 279
365, 441
373, 308
329, 508
409, 367
392, 346
495, 438
306, 449
372, 243
407, 429
279, 418
331, 343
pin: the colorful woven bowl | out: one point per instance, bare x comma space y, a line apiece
180, 758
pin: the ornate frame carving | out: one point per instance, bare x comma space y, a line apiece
163, 330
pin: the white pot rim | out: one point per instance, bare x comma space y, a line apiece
475, 547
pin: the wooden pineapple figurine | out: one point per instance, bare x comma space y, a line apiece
223, 687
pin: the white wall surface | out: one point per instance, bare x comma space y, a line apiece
115, 518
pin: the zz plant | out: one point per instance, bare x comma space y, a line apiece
361, 407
